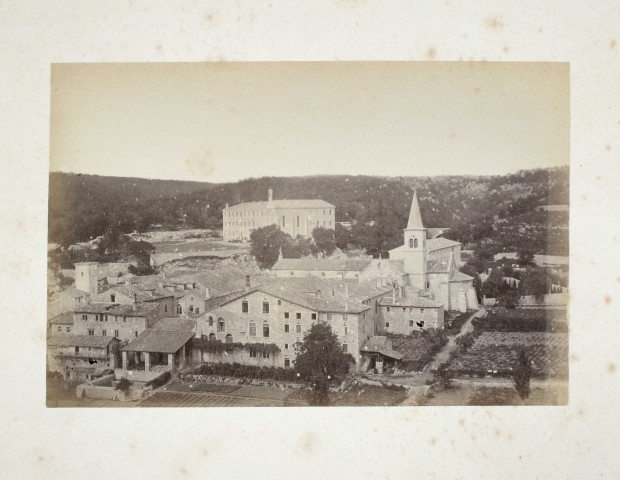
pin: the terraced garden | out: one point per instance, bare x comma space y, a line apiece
493, 347
497, 352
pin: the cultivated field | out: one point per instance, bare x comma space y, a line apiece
497, 353
494, 345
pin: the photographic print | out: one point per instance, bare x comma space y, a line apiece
308, 234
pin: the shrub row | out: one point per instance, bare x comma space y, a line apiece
505, 322
247, 371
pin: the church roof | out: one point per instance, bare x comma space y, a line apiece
439, 242
415, 218
439, 265
460, 277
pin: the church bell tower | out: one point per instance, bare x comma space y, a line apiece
414, 252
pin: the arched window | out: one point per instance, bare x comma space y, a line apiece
415, 243
229, 338
212, 337
210, 321
411, 243
220, 324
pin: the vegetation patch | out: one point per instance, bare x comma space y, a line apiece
523, 320
454, 322
418, 348
360, 394
497, 353
238, 370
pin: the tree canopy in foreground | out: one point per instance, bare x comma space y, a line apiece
321, 361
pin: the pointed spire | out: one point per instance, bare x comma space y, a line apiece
415, 219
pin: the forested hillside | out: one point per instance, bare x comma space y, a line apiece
498, 210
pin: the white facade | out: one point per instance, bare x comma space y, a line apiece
295, 217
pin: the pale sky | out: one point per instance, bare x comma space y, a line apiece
220, 122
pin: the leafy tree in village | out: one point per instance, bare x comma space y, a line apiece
321, 361
522, 374
324, 240
535, 281
493, 284
525, 256
342, 237
509, 298
300, 247
266, 244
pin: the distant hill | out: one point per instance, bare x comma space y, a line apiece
474, 207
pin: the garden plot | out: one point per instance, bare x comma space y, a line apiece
497, 353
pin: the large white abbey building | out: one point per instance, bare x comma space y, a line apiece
295, 217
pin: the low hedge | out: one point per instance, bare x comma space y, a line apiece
238, 370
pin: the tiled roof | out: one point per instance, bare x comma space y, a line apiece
322, 264
220, 282
420, 302
142, 309
79, 341
460, 277
381, 344
129, 291
398, 265
62, 319
320, 304
358, 291
301, 203
437, 266
439, 243
167, 336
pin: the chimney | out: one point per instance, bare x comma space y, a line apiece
226, 204
318, 293
394, 295
378, 283
270, 195
207, 293
160, 284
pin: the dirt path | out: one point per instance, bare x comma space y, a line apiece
444, 354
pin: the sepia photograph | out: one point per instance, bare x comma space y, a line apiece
235, 234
